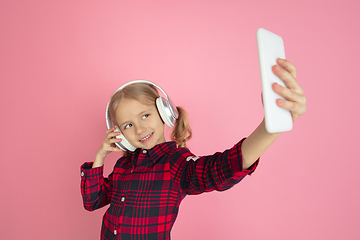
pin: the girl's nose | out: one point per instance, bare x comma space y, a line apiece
140, 129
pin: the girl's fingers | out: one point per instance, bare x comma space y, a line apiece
296, 109
288, 79
111, 147
111, 139
294, 102
287, 72
111, 134
289, 94
110, 130
293, 93
288, 66
288, 105
114, 140
108, 144
115, 149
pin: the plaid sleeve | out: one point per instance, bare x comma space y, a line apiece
219, 171
96, 190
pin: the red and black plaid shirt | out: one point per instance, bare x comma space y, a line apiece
145, 190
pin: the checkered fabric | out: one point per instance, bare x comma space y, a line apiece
145, 190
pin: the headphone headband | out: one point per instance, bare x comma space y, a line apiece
141, 81
171, 107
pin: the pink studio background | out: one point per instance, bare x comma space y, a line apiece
61, 61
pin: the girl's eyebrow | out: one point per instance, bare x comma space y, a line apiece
143, 112
146, 110
139, 114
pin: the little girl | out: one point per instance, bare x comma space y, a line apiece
147, 185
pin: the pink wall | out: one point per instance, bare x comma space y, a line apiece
61, 60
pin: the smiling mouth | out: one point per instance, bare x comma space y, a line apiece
146, 137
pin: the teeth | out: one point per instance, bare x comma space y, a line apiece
145, 137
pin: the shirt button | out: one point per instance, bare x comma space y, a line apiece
123, 199
115, 232
82, 173
144, 151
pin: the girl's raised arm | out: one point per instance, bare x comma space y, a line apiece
257, 143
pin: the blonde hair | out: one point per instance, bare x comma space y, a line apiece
147, 94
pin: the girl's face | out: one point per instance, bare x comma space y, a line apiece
140, 124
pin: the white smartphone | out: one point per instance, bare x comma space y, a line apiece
270, 48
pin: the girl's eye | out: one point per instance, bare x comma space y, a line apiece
128, 126
145, 116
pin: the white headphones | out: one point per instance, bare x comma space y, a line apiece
165, 106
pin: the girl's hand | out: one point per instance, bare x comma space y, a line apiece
107, 147
293, 93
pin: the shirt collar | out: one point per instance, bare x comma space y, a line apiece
159, 150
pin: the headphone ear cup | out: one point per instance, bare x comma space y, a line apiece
164, 111
124, 144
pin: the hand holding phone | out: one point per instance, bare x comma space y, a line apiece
270, 48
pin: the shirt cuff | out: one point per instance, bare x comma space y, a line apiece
236, 161
88, 172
